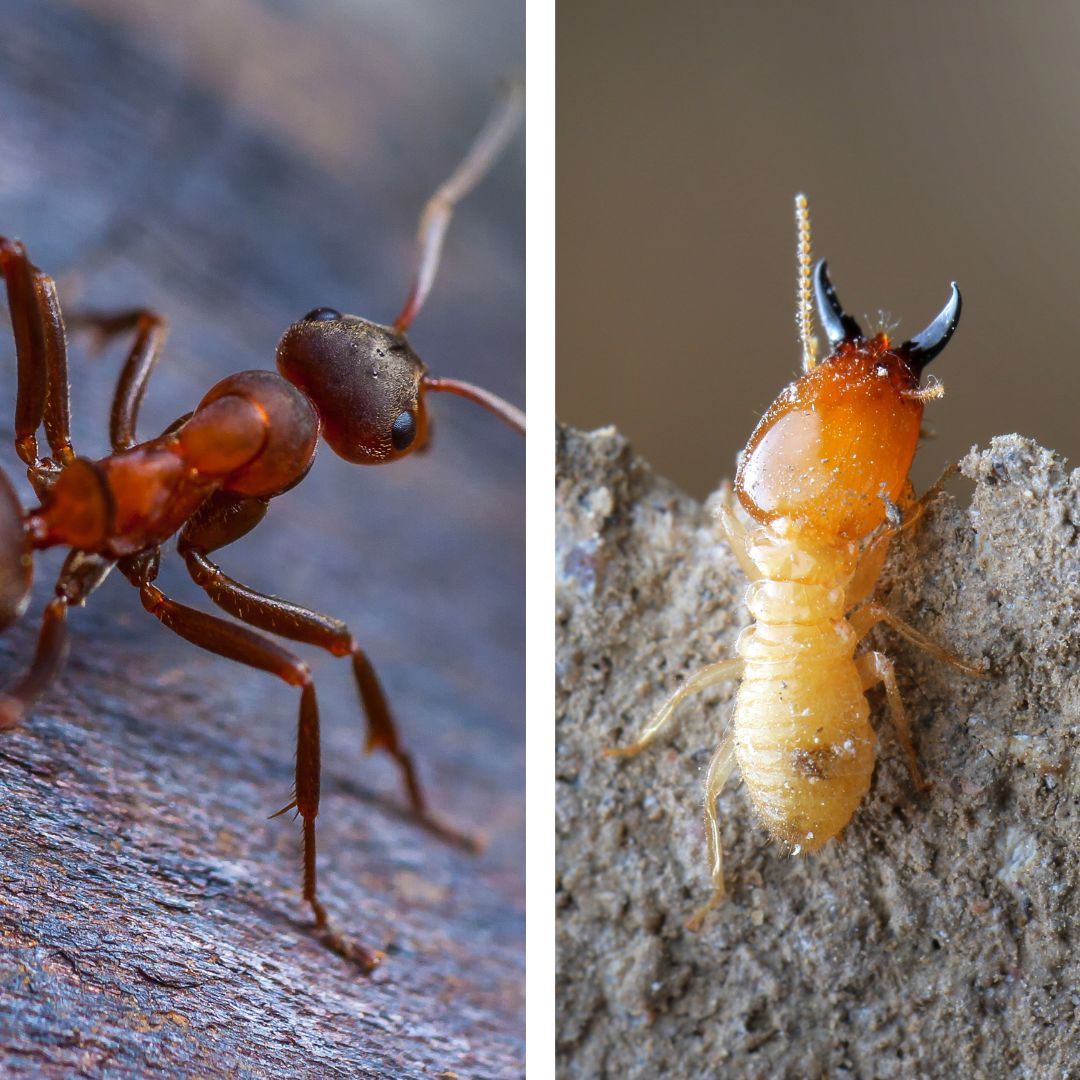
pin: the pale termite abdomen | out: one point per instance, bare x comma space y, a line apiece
803, 741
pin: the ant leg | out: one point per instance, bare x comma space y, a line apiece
700, 680
874, 668
246, 647
41, 351
869, 615
720, 768
81, 574
150, 332
208, 531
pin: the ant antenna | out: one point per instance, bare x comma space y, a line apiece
495, 134
509, 414
804, 311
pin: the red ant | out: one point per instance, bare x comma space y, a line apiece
210, 477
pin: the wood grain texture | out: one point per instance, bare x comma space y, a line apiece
234, 166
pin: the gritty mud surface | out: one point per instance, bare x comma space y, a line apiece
938, 936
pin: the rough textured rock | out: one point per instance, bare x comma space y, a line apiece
938, 936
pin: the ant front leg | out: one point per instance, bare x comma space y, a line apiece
246, 647
151, 330
41, 351
227, 518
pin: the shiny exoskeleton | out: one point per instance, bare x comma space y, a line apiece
210, 477
824, 478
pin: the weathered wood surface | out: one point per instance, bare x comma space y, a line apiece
234, 166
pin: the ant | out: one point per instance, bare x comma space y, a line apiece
210, 476
824, 478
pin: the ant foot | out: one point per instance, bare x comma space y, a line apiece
367, 960
12, 710
474, 845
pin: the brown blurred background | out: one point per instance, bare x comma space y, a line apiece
935, 142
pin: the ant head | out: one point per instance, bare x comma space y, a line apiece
365, 381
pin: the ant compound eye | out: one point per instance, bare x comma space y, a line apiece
404, 431
322, 314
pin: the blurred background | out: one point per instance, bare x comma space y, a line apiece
234, 166
935, 142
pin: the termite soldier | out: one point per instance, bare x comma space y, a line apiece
825, 479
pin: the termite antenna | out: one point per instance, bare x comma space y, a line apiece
509, 414
493, 137
804, 310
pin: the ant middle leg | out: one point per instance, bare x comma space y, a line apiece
80, 575
224, 520
151, 330
41, 353
238, 643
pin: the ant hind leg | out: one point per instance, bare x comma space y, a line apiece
41, 351
81, 574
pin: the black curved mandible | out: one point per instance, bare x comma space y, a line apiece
922, 348
838, 324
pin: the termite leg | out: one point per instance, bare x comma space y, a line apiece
720, 768
869, 615
861, 586
41, 351
216, 527
700, 680
80, 576
874, 668
150, 332
735, 535
238, 643
872, 559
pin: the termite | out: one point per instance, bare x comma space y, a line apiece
210, 477
824, 478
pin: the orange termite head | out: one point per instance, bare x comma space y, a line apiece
834, 449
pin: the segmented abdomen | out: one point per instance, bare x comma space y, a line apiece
803, 741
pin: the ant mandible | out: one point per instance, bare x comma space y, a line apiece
210, 477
